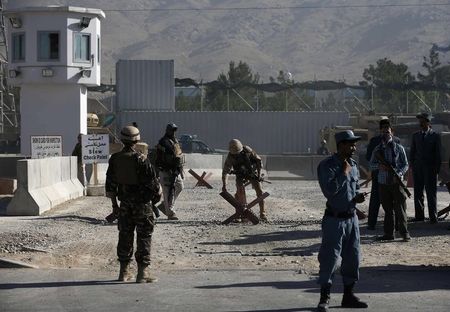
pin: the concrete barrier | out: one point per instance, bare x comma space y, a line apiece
43, 184
8, 166
295, 167
275, 167
203, 162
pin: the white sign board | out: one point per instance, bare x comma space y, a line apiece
43, 146
95, 148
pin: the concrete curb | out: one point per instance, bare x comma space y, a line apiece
13, 264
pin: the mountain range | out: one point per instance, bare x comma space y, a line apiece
320, 39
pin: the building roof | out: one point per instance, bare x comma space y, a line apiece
54, 8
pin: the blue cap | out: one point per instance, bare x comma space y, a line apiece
346, 135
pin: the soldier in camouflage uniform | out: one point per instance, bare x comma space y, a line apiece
246, 165
132, 179
169, 160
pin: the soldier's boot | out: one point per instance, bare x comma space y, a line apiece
143, 275
324, 299
124, 273
349, 300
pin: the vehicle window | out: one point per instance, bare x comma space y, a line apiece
196, 147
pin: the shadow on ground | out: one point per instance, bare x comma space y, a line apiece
380, 279
89, 220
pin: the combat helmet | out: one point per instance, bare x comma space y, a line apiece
235, 146
130, 134
171, 127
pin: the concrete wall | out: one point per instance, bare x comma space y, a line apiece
43, 184
145, 85
292, 167
8, 166
266, 132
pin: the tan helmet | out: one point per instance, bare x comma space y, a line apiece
130, 134
235, 146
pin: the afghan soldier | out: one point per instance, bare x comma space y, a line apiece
132, 179
169, 160
246, 165
338, 179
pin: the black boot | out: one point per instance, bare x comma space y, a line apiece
324, 298
349, 300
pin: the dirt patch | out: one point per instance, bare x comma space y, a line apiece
75, 235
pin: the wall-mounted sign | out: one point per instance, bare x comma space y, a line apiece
95, 148
43, 146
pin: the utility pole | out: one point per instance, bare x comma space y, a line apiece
315, 93
202, 97
8, 115
407, 95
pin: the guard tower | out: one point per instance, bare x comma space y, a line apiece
54, 54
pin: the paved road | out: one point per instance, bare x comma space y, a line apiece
399, 288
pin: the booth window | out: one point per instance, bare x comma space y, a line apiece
98, 49
48, 46
81, 47
18, 47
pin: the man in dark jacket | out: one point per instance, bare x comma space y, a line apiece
425, 159
374, 203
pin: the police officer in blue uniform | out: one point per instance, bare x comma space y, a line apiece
338, 179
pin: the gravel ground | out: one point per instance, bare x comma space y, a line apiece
74, 235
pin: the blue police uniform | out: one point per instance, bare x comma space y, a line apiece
340, 227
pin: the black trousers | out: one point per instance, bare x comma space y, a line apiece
374, 203
393, 201
425, 177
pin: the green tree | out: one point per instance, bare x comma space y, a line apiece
386, 72
435, 75
293, 99
187, 103
231, 90
330, 103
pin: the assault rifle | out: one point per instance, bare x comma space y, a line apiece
114, 215
249, 175
379, 156
444, 212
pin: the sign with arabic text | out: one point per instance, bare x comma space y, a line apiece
43, 146
95, 148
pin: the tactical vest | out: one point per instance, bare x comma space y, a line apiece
168, 159
126, 168
243, 165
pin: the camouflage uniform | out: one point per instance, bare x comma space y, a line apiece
169, 160
246, 165
132, 179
